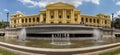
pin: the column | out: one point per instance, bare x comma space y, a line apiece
79, 19
41, 18
92, 21
88, 20
84, 20
72, 16
20, 22
16, 22
64, 16
99, 22
47, 16
35, 20
95, 22
31, 20
24, 20
27, 20
56, 16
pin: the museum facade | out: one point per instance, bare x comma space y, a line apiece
60, 13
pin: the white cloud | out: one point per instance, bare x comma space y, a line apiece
19, 12
118, 3
117, 13
6, 10
43, 3
1, 13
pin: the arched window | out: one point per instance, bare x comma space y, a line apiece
68, 22
94, 21
86, 19
97, 20
105, 21
14, 21
82, 20
52, 17
90, 20
37, 19
68, 16
75, 19
26, 20
52, 22
44, 19
60, 16
22, 20
29, 19
60, 22
33, 19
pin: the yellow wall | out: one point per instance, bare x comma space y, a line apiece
60, 13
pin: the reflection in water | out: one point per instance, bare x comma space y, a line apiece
46, 43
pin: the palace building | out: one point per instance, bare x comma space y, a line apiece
60, 13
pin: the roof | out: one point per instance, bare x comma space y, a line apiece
60, 5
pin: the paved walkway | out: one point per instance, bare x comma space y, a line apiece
118, 54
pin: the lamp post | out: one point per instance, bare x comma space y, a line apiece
7, 18
112, 26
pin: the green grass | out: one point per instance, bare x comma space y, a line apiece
114, 52
5, 52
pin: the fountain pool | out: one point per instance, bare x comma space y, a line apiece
39, 43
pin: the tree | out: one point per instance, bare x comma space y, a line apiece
117, 22
3, 24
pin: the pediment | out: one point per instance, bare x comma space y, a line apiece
60, 5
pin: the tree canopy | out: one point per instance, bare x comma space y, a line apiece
3, 24
116, 23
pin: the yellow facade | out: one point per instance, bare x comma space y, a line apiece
60, 13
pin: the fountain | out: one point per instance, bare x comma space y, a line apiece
60, 39
22, 35
97, 35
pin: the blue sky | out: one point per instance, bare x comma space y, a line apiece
28, 7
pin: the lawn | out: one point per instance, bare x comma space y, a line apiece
114, 52
5, 52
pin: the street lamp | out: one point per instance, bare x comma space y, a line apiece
112, 26
7, 18
112, 20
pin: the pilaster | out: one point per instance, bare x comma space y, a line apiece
72, 16
41, 18
64, 16
56, 16
47, 16
79, 19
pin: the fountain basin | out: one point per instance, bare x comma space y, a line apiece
59, 51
